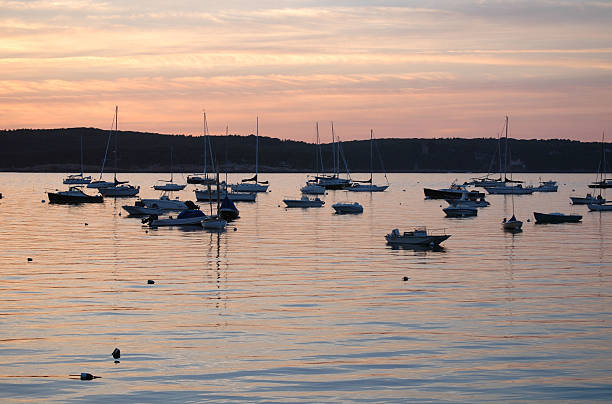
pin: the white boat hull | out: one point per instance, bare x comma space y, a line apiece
77, 180
367, 188
249, 187
599, 207
347, 208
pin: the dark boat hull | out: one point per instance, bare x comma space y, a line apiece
546, 218
601, 185
58, 198
449, 194
228, 214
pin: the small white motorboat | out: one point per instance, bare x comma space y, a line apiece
303, 202
460, 211
588, 199
313, 189
347, 207
512, 224
418, 236
594, 207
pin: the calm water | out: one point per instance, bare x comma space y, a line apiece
304, 305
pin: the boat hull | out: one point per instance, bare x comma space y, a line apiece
343, 209
141, 210
367, 188
246, 187
169, 187
55, 197
509, 190
299, 203
512, 225
460, 211
203, 195
451, 194
416, 241
576, 200
120, 191
599, 208
550, 218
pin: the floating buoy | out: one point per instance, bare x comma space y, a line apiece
43, 201
406, 278
29, 259
86, 224
119, 213
87, 376
117, 353
235, 229
151, 282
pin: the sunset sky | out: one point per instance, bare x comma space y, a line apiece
404, 68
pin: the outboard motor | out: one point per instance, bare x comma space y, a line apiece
149, 219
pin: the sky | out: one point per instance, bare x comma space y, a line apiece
410, 69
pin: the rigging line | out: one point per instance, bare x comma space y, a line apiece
341, 152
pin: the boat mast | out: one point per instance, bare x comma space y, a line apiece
334, 150
506, 151
116, 126
171, 164
205, 141
371, 137
256, 149
81, 155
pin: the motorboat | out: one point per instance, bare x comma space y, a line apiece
74, 195
228, 210
588, 199
164, 202
188, 217
312, 188
556, 218
214, 223
547, 186
304, 202
120, 190
517, 189
347, 207
77, 179
455, 191
512, 224
460, 211
599, 207
418, 236
139, 209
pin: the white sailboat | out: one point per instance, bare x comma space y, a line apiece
100, 183
252, 184
368, 186
78, 179
119, 188
311, 187
505, 188
334, 181
203, 178
170, 185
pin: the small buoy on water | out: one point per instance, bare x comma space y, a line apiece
117, 353
406, 278
528, 220
119, 213
29, 259
87, 376
151, 282
86, 224
43, 201
235, 229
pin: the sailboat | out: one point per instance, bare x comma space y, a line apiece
512, 224
170, 185
74, 179
214, 222
119, 188
100, 183
504, 188
334, 181
311, 187
203, 178
369, 186
601, 181
252, 184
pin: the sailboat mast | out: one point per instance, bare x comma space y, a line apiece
371, 139
256, 149
81, 155
171, 164
334, 150
319, 150
205, 141
116, 128
506, 151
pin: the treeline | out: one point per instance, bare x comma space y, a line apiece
59, 150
